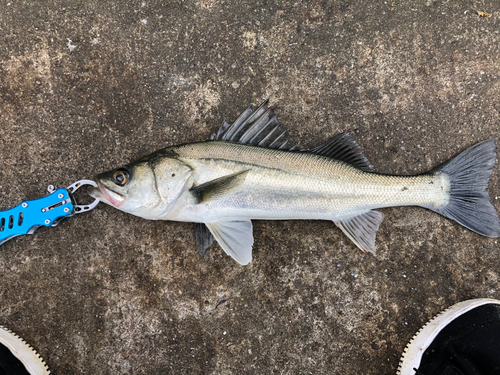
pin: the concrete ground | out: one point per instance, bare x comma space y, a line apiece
88, 86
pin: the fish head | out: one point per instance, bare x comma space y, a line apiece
147, 188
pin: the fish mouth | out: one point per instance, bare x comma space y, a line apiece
107, 195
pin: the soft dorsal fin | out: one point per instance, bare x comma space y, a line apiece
344, 148
361, 229
204, 238
256, 128
215, 188
235, 238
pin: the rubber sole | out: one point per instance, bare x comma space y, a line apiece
34, 364
415, 349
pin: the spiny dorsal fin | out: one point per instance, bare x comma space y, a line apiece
344, 148
361, 229
213, 189
235, 238
256, 128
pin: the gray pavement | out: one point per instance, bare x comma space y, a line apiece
88, 86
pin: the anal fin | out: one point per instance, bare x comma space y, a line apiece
361, 229
235, 238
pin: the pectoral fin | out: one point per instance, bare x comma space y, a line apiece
204, 238
235, 238
361, 229
213, 189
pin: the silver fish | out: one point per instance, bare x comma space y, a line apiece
246, 172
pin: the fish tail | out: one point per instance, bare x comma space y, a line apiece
469, 203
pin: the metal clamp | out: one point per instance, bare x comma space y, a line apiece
81, 208
27, 217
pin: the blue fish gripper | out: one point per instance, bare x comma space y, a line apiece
48, 211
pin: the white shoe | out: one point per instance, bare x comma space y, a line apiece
463, 339
17, 357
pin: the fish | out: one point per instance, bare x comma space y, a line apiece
249, 170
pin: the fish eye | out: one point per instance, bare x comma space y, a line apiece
120, 177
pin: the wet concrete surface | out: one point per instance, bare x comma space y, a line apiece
85, 87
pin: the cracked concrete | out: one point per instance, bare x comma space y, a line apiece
85, 87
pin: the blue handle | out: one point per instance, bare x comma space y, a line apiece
30, 215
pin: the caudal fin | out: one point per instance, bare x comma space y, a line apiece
469, 174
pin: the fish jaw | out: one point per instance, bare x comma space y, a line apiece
107, 195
